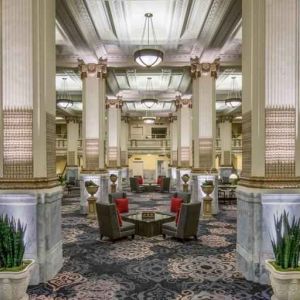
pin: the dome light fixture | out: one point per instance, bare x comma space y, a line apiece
233, 98
149, 100
64, 100
149, 120
148, 56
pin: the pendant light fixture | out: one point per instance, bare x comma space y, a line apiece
233, 98
149, 100
64, 100
148, 56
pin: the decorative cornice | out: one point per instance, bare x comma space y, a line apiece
204, 69
92, 70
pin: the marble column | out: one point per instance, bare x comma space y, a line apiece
93, 130
184, 129
226, 141
114, 139
72, 148
204, 128
124, 148
174, 148
29, 190
270, 179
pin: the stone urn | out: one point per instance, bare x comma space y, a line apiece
185, 178
113, 187
92, 189
207, 188
285, 285
13, 285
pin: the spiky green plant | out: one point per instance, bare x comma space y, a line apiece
12, 246
286, 244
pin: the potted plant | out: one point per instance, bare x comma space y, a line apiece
185, 178
14, 270
91, 187
62, 179
207, 187
284, 270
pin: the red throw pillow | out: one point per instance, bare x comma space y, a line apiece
119, 218
122, 205
177, 216
141, 181
176, 204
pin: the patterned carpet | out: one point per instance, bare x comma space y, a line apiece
148, 268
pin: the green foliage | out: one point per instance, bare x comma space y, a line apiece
62, 179
286, 244
90, 183
12, 245
208, 182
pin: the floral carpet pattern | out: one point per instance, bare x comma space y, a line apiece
148, 268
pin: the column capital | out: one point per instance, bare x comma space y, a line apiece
179, 103
93, 69
204, 69
117, 103
172, 118
73, 119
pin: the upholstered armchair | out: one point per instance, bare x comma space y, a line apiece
185, 196
165, 185
109, 224
113, 196
187, 225
134, 185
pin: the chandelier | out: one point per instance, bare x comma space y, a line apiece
233, 98
148, 56
64, 100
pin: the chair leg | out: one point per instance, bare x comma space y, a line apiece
101, 236
195, 237
164, 236
132, 237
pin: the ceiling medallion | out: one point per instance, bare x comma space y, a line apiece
148, 56
233, 98
64, 99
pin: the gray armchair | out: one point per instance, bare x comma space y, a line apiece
109, 224
187, 224
185, 196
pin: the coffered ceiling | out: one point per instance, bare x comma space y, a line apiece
112, 29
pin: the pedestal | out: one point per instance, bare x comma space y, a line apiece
40, 210
197, 193
100, 179
118, 187
92, 207
179, 173
255, 224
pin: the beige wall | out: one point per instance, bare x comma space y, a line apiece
60, 164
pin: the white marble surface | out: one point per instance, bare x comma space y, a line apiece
40, 210
255, 224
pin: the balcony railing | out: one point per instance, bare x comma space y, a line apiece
236, 144
62, 144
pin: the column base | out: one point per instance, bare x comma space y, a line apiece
179, 173
40, 210
101, 179
198, 194
255, 222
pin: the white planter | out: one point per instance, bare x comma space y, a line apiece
285, 285
13, 285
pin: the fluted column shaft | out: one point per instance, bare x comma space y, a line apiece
226, 141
